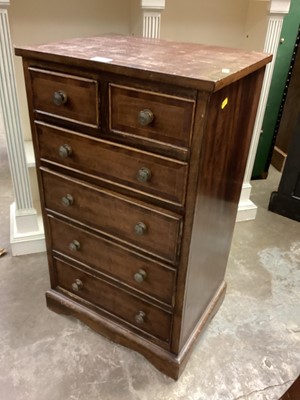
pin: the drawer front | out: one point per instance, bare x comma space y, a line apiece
155, 117
131, 309
65, 96
141, 273
149, 228
159, 176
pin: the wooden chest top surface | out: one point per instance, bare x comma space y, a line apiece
185, 63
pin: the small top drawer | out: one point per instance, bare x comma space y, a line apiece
65, 96
151, 116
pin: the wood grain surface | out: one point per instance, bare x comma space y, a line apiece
203, 100
115, 163
188, 64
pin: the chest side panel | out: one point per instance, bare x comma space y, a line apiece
222, 163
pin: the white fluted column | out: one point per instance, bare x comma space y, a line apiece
277, 10
26, 230
152, 17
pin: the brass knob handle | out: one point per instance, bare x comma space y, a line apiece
140, 228
67, 200
140, 317
143, 174
60, 98
140, 276
77, 285
65, 151
74, 245
145, 117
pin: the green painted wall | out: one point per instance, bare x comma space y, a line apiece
282, 63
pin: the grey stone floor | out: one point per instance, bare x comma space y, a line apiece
250, 351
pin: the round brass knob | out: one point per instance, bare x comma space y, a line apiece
140, 228
67, 200
77, 285
60, 98
74, 245
145, 117
65, 150
140, 317
143, 174
140, 276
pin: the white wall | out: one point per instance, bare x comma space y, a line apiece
218, 22
256, 25
231, 23
136, 18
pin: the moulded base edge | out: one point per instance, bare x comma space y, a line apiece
168, 363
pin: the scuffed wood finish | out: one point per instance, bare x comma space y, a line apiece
203, 100
188, 64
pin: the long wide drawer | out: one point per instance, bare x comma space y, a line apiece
131, 309
150, 228
159, 176
143, 274
151, 116
65, 96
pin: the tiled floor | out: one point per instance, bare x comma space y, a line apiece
250, 351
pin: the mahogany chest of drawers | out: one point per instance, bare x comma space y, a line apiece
141, 147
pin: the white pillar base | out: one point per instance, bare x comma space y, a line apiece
247, 209
25, 241
26, 220
26, 227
